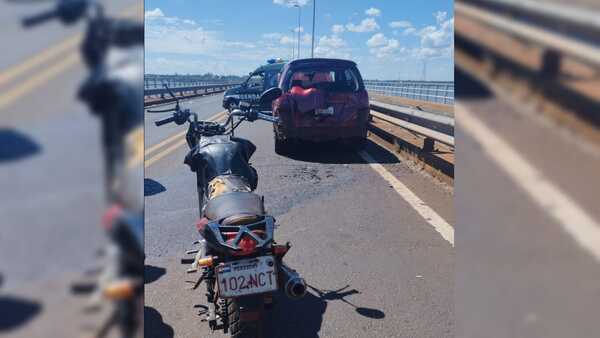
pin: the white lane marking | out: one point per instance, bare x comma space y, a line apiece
573, 219
438, 223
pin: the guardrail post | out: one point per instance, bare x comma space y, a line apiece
428, 144
551, 60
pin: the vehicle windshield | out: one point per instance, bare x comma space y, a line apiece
271, 79
331, 79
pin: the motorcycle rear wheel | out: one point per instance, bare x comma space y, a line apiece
243, 328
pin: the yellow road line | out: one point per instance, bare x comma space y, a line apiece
164, 153
164, 142
40, 58
40, 78
173, 147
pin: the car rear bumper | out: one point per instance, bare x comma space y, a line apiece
321, 134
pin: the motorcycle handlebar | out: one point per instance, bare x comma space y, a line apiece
268, 118
39, 18
164, 121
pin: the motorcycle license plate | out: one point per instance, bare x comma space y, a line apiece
328, 111
247, 277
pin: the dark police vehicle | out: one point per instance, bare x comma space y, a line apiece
263, 78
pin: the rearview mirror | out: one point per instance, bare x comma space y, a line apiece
270, 94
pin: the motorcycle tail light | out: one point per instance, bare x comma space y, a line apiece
247, 244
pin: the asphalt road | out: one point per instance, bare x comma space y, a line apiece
523, 269
51, 174
381, 270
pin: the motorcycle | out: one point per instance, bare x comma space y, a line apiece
236, 256
112, 50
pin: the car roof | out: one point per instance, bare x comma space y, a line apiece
270, 67
317, 62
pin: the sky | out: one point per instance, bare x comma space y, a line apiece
388, 39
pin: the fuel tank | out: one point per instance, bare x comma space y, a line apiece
223, 155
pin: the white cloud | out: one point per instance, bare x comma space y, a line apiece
305, 39
155, 13
373, 12
367, 25
410, 30
301, 28
332, 47
377, 40
337, 29
400, 24
380, 46
291, 3
333, 41
272, 36
440, 17
287, 40
438, 37
164, 34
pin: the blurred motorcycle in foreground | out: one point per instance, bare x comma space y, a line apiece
112, 50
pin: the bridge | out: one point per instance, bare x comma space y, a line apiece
527, 183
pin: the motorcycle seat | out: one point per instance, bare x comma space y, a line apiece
234, 205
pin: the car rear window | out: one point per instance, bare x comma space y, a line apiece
331, 79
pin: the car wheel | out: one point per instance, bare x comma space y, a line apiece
282, 147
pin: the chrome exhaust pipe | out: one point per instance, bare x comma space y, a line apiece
294, 286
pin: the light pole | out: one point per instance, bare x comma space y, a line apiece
312, 48
293, 44
299, 12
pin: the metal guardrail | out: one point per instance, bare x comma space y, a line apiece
155, 96
425, 124
560, 33
154, 81
431, 91
183, 90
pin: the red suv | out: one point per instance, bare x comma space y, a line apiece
322, 100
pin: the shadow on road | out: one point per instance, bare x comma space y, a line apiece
152, 187
15, 145
16, 312
153, 273
467, 87
340, 294
303, 318
154, 327
337, 153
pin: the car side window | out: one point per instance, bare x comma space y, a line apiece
350, 80
256, 80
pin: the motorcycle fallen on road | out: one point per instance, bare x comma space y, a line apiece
113, 52
237, 257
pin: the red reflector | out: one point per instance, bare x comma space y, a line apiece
280, 250
247, 244
201, 224
110, 215
229, 236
